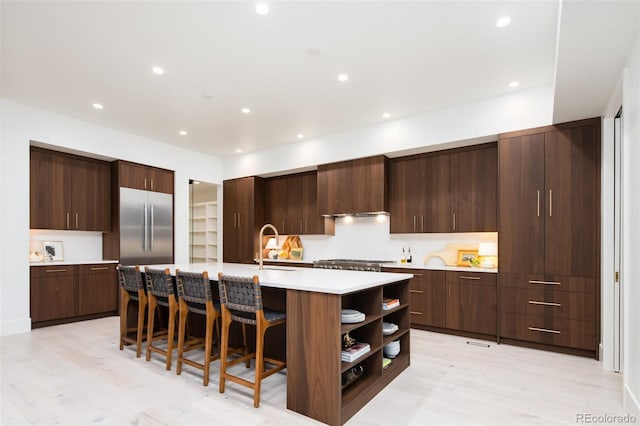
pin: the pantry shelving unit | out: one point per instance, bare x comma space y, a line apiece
204, 232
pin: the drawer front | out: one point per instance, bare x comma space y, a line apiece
471, 277
547, 302
97, 269
548, 330
555, 282
54, 270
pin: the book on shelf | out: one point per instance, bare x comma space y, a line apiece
386, 362
388, 303
354, 352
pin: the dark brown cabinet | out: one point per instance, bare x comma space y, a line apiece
67, 293
69, 192
291, 204
97, 289
355, 186
548, 237
472, 302
427, 296
139, 176
447, 191
243, 215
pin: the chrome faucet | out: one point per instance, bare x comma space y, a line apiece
260, 255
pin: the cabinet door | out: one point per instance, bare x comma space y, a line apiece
49, 199
53, 292
97, 289
406, 183
132, 175
276, 203
90, 194
160, 180
571, 182
231, 245
522, 204
474, 187
294, 222
428, 298
434, 200
472, 300
243, 214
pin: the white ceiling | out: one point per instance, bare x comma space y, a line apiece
402, 57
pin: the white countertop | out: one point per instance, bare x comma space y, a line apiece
292, 278
73, 262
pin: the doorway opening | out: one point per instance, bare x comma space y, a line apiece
203, 222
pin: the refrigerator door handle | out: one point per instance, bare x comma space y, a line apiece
146, 229
151, 229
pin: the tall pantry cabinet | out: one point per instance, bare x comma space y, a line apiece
549, 192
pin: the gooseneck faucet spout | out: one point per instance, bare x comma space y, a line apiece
260, 255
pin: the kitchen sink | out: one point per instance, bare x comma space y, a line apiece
272, 268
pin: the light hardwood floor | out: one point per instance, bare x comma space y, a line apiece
75, 375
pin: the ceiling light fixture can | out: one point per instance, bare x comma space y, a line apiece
503, 21
343, 77
300, 136
262, 9
386, 115
245, 110
97, 106
514, 84
157, 70
183, 132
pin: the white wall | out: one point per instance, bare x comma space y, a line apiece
631, 226
437, 129
20, 124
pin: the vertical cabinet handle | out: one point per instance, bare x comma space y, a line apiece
449, 291
301, 226
151, 230
76, 220
145, 183
538, 202
422, 222
414, 223
238, 219
550, 203
146, 229
454, 221
68, 221
152, 184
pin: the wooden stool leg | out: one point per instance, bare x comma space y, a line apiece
124, 305
208, 342
171, 334
141, 309
150, 322
226, 322
181, 332
259, 363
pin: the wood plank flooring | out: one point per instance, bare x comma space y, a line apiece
74, 374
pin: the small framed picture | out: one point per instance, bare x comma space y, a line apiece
467, 258
52, 250
296, 253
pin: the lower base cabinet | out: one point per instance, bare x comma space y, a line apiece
472, 302
67, 293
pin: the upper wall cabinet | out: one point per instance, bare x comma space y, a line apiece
355, 186
69, 192
291, 204
243, 216
446, 191
139, 176
549, 195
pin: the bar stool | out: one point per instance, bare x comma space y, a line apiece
194, 295
241, 300
160, 293
131, 289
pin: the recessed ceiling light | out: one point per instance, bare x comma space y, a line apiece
514, 84
386, 115
245, 110
300, 136
157, 70
238, 150
343, 77
183, 132
262, 9
503, 21
98, 106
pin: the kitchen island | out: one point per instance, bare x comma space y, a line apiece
314, 332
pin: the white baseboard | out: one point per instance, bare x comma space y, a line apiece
631, 403
16, 326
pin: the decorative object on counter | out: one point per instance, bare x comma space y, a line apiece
52, 251
35, 251
391, 349
291, 242
467, 258
488, 253
386, 362
351, 375
355, 351
273, 248
409, 256
448, 256
351, 316
388, 328
389, 303
403, 257
296, 253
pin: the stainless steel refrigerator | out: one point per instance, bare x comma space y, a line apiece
146, 227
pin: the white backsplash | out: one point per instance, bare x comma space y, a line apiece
369, 238
76, 245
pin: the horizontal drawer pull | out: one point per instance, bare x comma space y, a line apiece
55, 270
545, 282
463, 277
544, 330
416, 291
104, 268
415, 313
535, 302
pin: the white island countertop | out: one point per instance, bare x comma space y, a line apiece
291, 278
